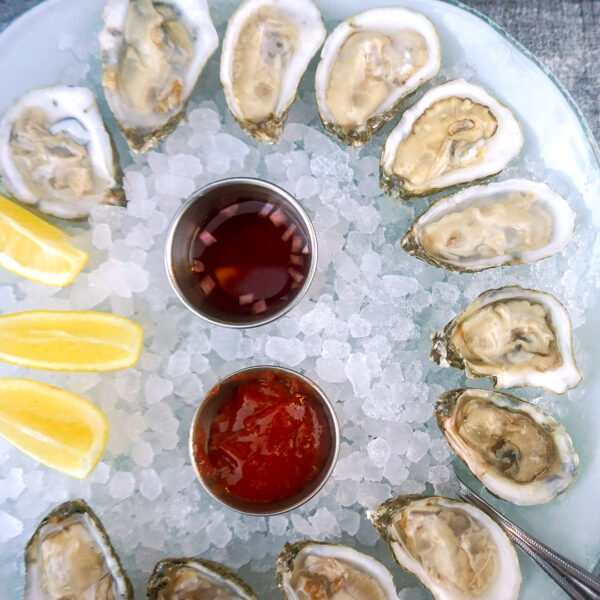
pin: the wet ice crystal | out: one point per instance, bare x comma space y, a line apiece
362, 333
10, 527
121, 485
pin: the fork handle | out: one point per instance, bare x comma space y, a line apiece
586, 582
566, 583
582, 579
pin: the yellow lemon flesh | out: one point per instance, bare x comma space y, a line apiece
70, 340
57, 428
33, 248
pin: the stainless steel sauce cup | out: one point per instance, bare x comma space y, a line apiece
184, 228
208, 410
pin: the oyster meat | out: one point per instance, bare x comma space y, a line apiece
153, 52
368, 65
454, 548
267, 47
517, 336
56, 154
319, 571
516, 450
70, 556
196, 579
456, 133
508, 222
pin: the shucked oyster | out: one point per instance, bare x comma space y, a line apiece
153, 52
70, 556
320, 571
517, 336
368, 65
195, 579
516, 450
454, 548
267, 47
56, 153
455, 133
509, 222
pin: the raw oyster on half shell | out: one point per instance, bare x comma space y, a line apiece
505, 223
368, 65
515, 449
196, 579
519, 337
56, 154
319, 571
70, 556
456, 133
153, 52
267, 47
454, 548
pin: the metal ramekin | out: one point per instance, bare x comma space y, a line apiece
185, 224
209, 408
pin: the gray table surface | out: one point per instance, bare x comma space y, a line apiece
563, 34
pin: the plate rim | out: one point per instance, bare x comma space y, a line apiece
11, 29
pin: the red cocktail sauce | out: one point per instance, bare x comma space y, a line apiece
267, 442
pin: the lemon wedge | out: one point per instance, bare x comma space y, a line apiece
33, 248
70, 340
57, 428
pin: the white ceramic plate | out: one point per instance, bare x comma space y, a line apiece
558, 148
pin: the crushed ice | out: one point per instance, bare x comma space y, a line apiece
362, 332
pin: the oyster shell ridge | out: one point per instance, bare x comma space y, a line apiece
158, 578
382, 519
112, 195
359, 136
269, 129
444, 410
444, 353
61, 513
143, 137
411, 243
285, 565
395, 187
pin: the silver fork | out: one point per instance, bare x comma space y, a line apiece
577, 582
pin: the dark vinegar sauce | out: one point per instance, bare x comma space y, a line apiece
250, 258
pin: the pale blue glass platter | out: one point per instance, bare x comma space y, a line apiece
558, 148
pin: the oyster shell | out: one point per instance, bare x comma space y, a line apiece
454, 548
368, 65
153, 52
70, 556
456, 133
320, 571
505, 223
267, 47
519, 337
516, 450
56, 154
195, 579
